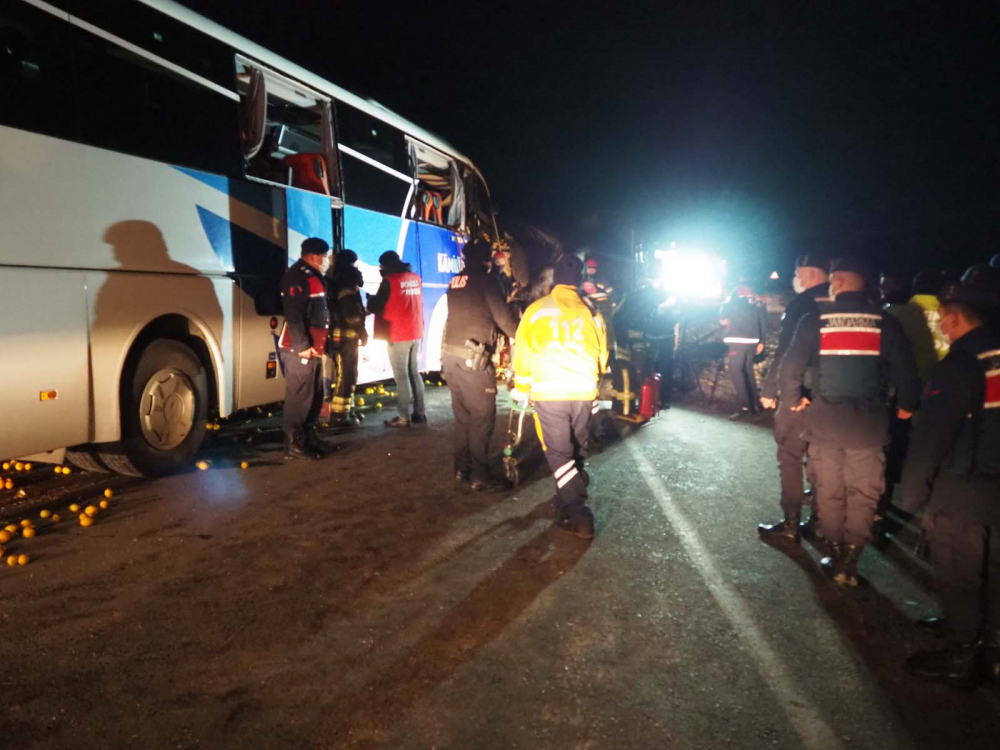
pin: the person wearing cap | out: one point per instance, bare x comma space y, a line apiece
810, 283
745, 318
854, 352
348, 333
596, 291
953, 468
560, 354
301, 345
477, 310
398, 306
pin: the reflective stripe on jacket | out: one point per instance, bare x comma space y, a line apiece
560, 348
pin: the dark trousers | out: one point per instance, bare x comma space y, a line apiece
347, 376
966, 562
474, 404
848, 484
743, 376
303, 391
563, 429
665, 366
792, 450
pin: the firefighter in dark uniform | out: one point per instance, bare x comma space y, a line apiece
954, 463
560, 354
301, 346
745, 317
476, 310
348, 333
812, 286
854, 351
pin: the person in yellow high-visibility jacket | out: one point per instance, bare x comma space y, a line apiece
560, 354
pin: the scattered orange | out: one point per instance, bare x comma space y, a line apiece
56, 518
90, 510
45, 514
103, 504
18, 466
27, 522
27, 467
28, 532
244, 465
22, 559
86, 520
11, 527
9, 484
74, 507
12, 560
65, 470
5, 536
202, 465
108, 492
58, 470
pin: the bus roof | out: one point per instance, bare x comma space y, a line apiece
244, 45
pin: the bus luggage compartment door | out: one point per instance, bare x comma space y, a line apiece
45, 379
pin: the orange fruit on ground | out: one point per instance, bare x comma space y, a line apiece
5, 536
103, 504
9, 484
12, 560
11, 527
45, 514
74, 507
27, 467
18, 466
58, 470
86, 520
6, 465
56, 518
65, 470
108, 492
244, 465
26, 522
202, 465
90, 510
22, 559
28, 532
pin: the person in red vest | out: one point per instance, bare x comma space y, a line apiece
398, 306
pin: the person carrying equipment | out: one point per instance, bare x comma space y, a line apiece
560, 354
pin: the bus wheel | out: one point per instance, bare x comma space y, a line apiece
164, 408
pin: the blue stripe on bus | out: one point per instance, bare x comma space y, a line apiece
219, 233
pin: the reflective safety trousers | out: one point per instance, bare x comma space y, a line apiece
560, 349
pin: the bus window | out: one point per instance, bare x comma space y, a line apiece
377, 173
478, 210
286, 131
440, 192
130, 103
36, 71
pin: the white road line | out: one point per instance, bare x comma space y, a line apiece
807, 721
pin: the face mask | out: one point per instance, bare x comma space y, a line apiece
324, 265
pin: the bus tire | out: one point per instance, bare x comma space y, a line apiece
164, 407
85, 459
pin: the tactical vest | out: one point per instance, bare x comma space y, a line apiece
977, 448
850, 349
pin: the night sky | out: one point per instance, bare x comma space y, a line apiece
758, 132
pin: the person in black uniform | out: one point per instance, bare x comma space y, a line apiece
348, 331
301, 346
745, 316
854, 350
811, 285
954, 463
476, 309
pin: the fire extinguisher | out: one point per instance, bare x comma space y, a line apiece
649, 398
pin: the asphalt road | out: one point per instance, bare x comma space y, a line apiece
365, 601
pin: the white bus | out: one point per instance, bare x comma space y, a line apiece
157, 175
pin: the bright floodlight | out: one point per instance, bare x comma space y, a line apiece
774, 275
691, 275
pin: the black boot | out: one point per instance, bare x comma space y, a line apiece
315, 443
296, 448
831, 564
957, 665
810, 529
788, 529
847, 572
